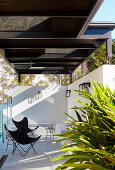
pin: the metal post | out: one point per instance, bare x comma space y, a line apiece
7, 112
2, 128
70, 77
19, 78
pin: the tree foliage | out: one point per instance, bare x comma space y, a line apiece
97, 59
7, 80
113, 52
77, 73
42, 83
27, 79
59, 79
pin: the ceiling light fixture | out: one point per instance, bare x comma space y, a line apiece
36, 68
46, 68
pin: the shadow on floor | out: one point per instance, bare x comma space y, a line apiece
40, 161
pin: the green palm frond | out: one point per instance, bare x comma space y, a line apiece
90, 142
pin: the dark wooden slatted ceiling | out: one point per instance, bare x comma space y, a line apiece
59, 48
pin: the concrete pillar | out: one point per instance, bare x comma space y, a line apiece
83, 68
109, 49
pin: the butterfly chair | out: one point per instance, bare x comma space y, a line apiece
19, 138
24, 122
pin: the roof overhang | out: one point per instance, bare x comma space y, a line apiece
59, 56
52, 55
60, 41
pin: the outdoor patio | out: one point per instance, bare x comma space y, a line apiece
35, 112
49, 37
40, 161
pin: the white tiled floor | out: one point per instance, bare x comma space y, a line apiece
40, 161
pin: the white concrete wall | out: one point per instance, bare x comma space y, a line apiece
48, 109
104, 74
51, 107
109, 76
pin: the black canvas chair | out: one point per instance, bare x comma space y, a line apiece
19, 138
24, 122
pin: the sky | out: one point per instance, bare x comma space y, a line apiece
106, 13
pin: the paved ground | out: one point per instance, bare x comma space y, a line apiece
40, 161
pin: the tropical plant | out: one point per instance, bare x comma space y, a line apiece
90, 141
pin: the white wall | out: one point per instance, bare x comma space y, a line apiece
104, 74
109, 76
51, 107
48, 109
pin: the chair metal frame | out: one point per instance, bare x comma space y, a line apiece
25, 137
49, 132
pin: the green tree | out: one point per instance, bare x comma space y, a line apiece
113, 52
77, 74
64, 79
42, 83
59, 79
97, 59
27, 79
7, 79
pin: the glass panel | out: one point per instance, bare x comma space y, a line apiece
5, 118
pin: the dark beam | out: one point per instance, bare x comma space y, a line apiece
19, 52
45, 57
67, 13
46, 60
43, 72
22, 51
46, 43
93, 9
56, 70
17, 34
90, 33
53, 64
27, 56
48, 7
33, 54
